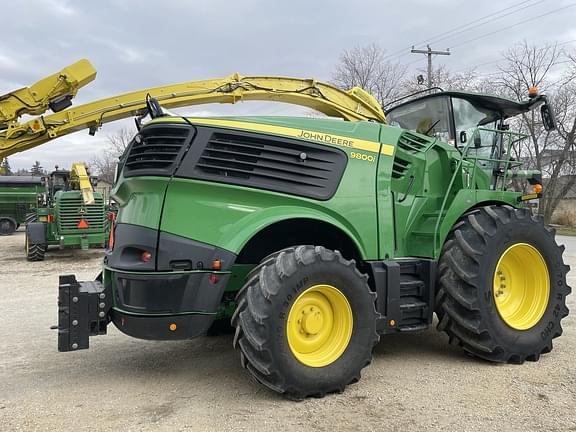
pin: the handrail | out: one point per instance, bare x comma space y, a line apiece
508, 164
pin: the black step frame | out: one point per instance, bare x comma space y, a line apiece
386, 279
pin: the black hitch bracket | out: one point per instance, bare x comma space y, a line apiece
83, 311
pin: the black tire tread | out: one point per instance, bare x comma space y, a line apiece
456, 302
35, 252
11, 227
262, 286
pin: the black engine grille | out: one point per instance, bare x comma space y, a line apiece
276, 164
156, 149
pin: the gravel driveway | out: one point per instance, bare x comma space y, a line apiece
416, 382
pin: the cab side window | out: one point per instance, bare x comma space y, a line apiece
467, 118
430, 117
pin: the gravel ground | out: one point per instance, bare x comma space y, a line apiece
416, 381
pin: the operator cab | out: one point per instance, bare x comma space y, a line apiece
474, 124
454, 117
58, 180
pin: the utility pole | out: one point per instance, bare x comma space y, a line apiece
430, 52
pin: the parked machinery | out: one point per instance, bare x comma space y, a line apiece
18, 198
71, 215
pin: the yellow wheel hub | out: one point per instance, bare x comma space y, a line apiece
521, 286
319, 325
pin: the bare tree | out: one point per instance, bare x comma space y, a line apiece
368, 68
104, 164
444, 78
551, 152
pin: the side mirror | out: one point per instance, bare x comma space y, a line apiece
154, 108
477, 141
548, 118
463, 137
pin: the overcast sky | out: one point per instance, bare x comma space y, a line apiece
137, 44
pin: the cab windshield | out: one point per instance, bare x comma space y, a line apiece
451, 119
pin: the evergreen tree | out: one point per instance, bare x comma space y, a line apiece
37, 170
5, 167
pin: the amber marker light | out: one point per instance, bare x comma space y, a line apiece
537, 188
533, 91
173, 327
216, 265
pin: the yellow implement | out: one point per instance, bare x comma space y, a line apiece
80, 179
52, 92
353, 105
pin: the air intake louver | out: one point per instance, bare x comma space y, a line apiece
157, 151
399, 167
275, 164
412, 143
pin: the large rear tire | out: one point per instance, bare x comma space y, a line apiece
502, 285
305, 322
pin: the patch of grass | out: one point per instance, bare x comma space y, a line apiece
567, 231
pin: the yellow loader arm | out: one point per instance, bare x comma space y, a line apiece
53, 92
80, 179
355, 105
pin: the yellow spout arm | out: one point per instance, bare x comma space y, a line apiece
80, 179
353, 105
51, 92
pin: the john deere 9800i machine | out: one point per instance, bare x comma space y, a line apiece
315, 236
71, 215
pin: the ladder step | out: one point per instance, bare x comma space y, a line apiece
413, 305
412, 328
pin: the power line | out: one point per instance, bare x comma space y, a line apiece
404, 50
499, 60
498, 73
514, 25
509, 27
484, 23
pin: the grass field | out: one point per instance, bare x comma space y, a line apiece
569, 231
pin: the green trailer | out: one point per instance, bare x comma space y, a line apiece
18, 198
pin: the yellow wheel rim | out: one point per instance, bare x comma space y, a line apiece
521, 286
319, 325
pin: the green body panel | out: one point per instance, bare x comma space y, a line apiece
140, 200
386, 211
17, 200
238, 213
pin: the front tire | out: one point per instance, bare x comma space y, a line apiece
31, 217
305, 322
502, 285
34, 251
